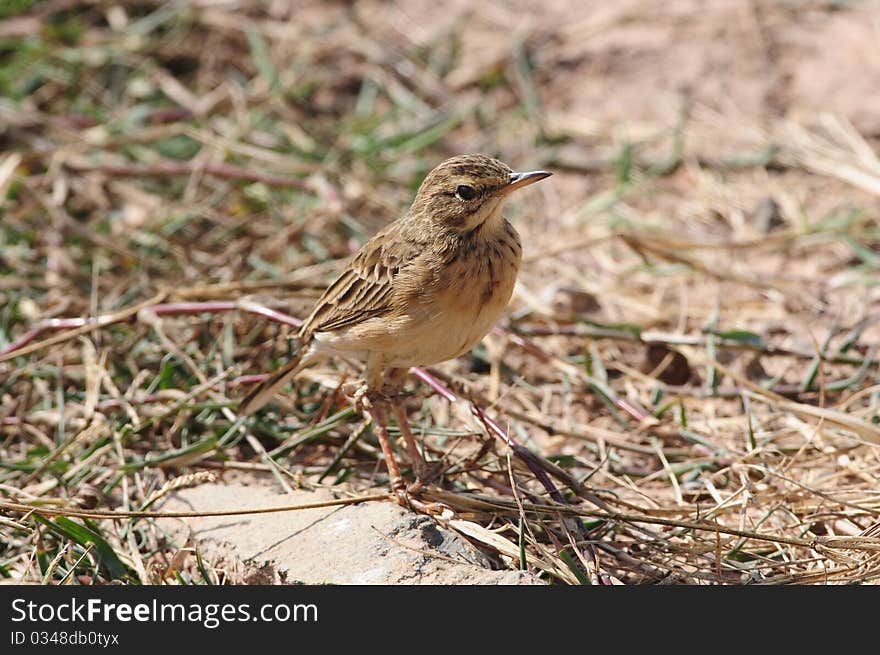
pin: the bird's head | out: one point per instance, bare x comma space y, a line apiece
464, 192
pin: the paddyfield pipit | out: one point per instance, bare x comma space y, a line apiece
425, 289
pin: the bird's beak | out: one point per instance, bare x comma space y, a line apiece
519, 180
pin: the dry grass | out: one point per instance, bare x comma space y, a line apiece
691, 349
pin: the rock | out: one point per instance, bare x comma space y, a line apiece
369, 543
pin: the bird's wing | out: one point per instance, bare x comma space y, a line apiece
365, 289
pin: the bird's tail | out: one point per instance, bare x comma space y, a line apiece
263, 392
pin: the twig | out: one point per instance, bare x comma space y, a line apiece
529, 458
83, 326
97, 514
496, 503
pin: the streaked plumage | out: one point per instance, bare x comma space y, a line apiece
426, 288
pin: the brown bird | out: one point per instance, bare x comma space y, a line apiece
425, 289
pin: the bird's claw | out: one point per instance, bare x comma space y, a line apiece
407, 497
363, 398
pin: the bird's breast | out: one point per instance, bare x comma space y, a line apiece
471, 292
445, 311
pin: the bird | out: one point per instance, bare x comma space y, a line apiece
425, 289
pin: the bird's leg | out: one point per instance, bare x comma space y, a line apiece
373, 398
377, 412
394, 381
425, 471
420, 466
366, 397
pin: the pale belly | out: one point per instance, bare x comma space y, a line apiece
452, 323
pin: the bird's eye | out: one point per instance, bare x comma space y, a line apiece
465, 192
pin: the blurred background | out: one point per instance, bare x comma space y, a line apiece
708, 247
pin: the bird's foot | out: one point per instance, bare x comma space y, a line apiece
408, 496
360, 392
363, 398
